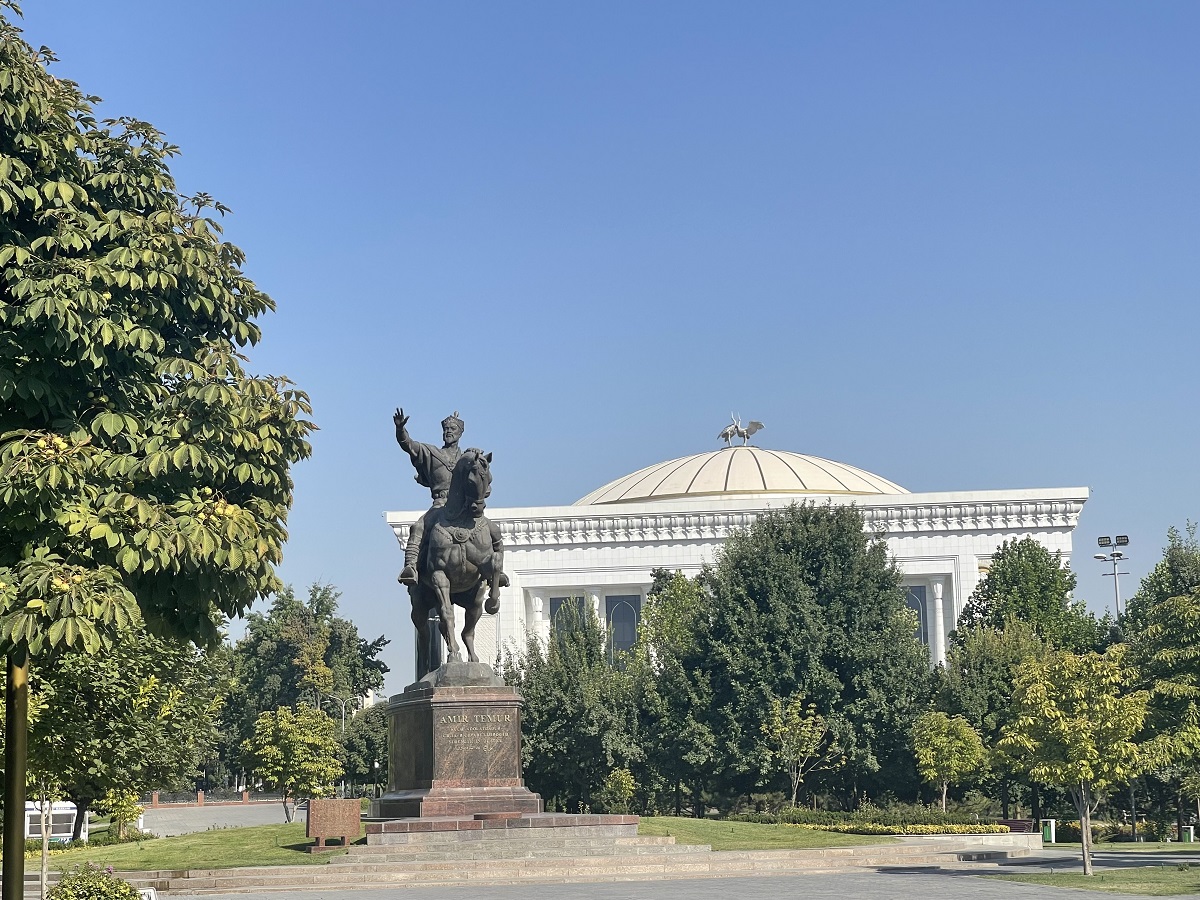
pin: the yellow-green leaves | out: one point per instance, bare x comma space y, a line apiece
122, 396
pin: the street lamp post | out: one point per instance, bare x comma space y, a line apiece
343, 701
1115, 557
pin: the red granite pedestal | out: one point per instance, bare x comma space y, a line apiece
454, 741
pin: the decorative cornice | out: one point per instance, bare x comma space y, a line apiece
603, 526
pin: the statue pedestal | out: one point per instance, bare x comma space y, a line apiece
454, 740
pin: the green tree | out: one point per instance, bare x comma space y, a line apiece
801, 740
948, 750
805, 602
1077, 725
577, 724
140, 717
1177, 574
300, 652
671, 695
365, 746
140, 464
976, 683
1027, 583
294, 753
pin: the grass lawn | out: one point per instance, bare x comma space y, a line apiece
223, 848
749, 835
1154, 881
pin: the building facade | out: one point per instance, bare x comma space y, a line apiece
602, 549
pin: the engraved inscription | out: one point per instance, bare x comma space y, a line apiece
474, 731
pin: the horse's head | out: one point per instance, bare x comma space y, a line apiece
470, 484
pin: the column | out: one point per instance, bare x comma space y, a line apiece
598, 608
937, 643
538, 625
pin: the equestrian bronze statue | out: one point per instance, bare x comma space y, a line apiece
454, 556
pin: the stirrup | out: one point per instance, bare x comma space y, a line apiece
408, 575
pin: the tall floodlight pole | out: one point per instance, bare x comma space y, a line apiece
1115, 557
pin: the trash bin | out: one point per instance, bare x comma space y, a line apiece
1187, 834
1048, 826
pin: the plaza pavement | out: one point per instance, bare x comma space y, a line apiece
883, 885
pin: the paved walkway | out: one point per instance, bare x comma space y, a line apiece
849, 886
167, 821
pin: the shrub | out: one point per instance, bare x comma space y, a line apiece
90, 882
122, 808
617, 792
899, 815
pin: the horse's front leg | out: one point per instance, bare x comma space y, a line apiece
441, 587
493, 571
471, 615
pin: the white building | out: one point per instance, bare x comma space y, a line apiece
676, 515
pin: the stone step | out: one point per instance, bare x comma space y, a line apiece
451, 835
504, 871
531, 840
514, 853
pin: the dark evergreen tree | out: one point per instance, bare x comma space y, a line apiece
806, 603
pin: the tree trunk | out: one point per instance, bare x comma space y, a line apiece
795, 784
1004, 808
82, 804
16, 722
945, 787
678, 797
289, 812
47, 824
1035, 803
1082, 796
1133, 811
697, 802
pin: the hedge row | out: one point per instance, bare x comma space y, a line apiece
877, 828
900, 815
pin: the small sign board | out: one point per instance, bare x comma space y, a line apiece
148, 894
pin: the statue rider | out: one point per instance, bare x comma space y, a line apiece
434, 466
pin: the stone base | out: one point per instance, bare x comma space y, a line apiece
455, 801
455, 747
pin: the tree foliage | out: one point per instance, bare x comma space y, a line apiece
140, 464
1027, 583
365, 746
577, 722
672, 694
1078, 726
300, 652
981, 666
805, 602
948, 750
139, 717
294, 753
1177, 574
801, 740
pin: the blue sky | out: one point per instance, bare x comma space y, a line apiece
954, 244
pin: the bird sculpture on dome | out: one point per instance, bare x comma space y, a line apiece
734, 430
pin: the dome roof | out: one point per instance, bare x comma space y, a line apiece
740, 470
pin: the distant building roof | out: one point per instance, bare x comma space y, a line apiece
740, 471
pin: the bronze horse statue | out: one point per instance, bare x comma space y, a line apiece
461, 561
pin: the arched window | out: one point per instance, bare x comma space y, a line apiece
915, 600
622, 613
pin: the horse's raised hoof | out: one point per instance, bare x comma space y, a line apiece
492, 606
408, 575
